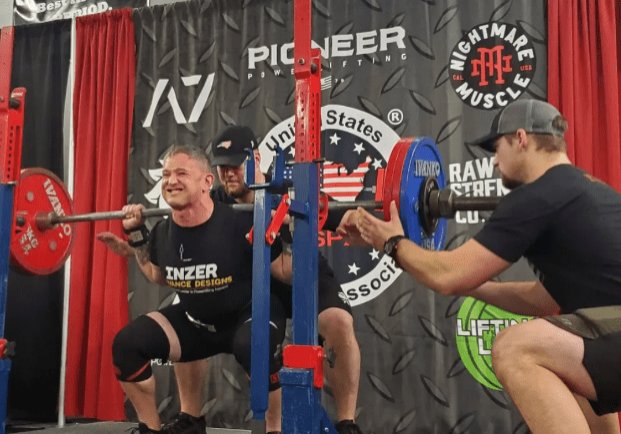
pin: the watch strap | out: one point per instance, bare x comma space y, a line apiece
394, 241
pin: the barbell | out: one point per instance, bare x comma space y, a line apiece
44, 223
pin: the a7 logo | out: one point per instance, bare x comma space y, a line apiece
199, 105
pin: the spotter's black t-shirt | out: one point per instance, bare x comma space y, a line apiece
567, 224
209, 265
332, 222
333, 219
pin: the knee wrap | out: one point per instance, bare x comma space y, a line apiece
241, 347
135, 346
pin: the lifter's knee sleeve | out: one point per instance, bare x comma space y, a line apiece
241, 345
135, 346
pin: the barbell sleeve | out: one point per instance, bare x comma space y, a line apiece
445, 203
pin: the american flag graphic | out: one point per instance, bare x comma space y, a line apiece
341, 185
337, 183
326, 82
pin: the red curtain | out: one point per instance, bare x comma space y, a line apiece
584, 80
103, 109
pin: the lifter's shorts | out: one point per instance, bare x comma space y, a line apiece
199, 340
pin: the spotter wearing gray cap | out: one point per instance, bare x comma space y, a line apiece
532, 115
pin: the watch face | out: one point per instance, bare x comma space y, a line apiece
389, 246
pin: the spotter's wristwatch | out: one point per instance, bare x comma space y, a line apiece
391, 245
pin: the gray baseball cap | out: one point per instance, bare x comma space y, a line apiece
532, 115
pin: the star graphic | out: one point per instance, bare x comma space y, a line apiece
292, 151
374, 254
377, 164
358, 148
353, 269
334, 140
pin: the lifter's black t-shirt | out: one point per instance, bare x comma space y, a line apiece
209, 265
568, 226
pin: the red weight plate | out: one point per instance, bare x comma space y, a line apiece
323, 210
33, 250
389, 187
394, 170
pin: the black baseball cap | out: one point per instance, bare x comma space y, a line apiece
532, 115
229, 146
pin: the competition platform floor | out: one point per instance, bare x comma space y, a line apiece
84, 427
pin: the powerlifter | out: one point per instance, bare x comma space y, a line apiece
335, 320
213, 282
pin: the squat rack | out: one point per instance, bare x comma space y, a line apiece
11, 130
302, 374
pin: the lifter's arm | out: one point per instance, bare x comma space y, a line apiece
122, 248
150, 270
133, 219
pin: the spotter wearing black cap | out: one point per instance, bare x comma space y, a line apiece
229, 148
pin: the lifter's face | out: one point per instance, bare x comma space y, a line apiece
508, 162
184, 181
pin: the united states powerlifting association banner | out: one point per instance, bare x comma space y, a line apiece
431, 68
38, 11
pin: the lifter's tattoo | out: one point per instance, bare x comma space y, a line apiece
142, 254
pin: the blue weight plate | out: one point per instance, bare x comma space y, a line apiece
421, 161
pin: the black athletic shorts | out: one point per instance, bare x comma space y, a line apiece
199, 340
602, 360
600, 328
329, 293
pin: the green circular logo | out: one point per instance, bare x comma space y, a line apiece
478, 323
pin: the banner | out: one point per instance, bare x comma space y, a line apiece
431, 69
38, 11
